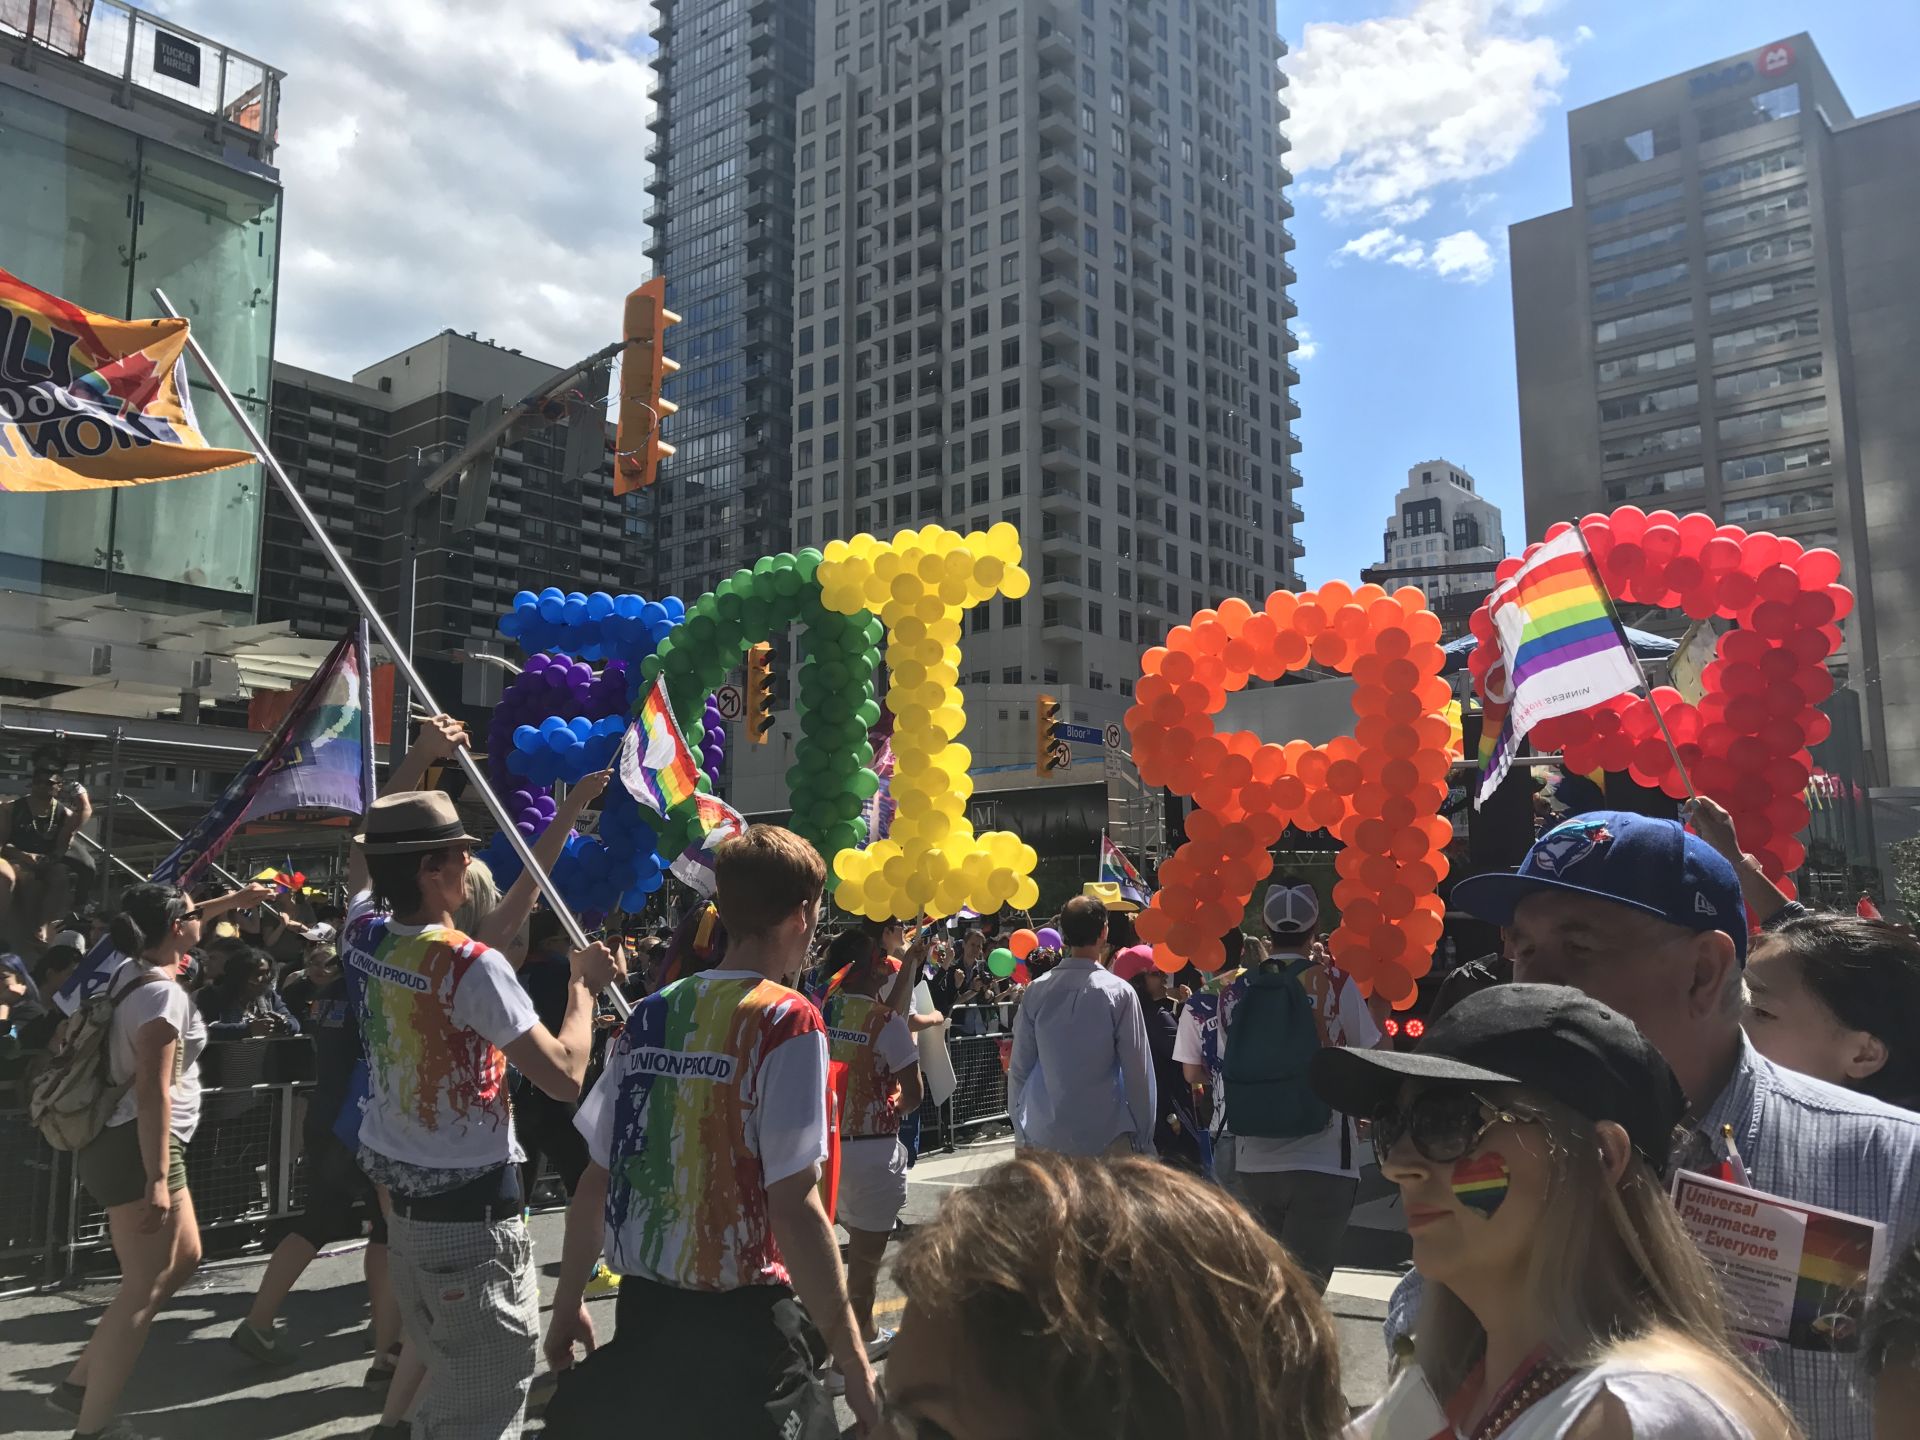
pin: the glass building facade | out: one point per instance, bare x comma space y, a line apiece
729, 73
105, 202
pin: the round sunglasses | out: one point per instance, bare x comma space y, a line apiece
1444, 1124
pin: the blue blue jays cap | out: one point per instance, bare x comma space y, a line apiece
1654, 866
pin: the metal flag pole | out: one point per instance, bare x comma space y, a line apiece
1645, 684
403, 662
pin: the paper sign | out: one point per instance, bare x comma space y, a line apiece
1789, 1271
1408, 1411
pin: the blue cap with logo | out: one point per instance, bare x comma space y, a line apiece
1658, 867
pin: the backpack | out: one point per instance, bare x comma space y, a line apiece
71, 1091
1271, 1040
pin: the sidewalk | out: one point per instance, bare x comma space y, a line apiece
190, 1384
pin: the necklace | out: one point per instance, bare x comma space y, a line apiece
1537, 1377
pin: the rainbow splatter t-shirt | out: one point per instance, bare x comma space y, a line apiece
875, 1045
715, 1090
435, 1008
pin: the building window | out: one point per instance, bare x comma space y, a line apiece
1609, 211
1604, 156
1649, 402
1735, 429
1758, 252
1626, 287
1812, 501
1744, 113
1650, 442
1761, 292
1735, 343
1743, 383
1641, 322
1639, 243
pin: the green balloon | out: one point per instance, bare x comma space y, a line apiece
866, 784
1001, 962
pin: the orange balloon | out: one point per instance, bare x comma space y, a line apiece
1023, 943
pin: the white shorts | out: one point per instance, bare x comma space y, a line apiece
873, 1183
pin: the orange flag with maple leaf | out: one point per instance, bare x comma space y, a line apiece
88, 401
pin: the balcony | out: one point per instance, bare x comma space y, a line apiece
1059, 329
1059, 248
1058, 206
1055, 45
1057, 126
1060, 496
1057, 167
1061, 414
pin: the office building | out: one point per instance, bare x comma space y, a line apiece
729, 72
1041, 277
137, 155
357, 448
1443, 535
1723, 321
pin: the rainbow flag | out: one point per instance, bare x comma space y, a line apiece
1115, 868
1497, 742
88, 401
714, 821
1560, 644
656, 763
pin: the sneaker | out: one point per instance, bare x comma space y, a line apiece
602, 1282
265, 1346
399, 1430
67, 1397
878, 1347
115, 1430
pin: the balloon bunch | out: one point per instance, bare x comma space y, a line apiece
920, 583
1747, 743
1379, 790
713, 739
594, 627
556, 747
832, 774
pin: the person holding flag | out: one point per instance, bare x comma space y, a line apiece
708, 1129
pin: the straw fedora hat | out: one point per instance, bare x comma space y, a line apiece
417, 820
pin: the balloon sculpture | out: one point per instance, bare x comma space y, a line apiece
1747, 743
1378, 790
920, 582
561, 719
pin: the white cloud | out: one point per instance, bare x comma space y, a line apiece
468, 163
1464, 255
1582, 34
1413, 255
1406, 214
1387, 109
1375, 244
1309, 347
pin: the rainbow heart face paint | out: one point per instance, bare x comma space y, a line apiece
1480, 1181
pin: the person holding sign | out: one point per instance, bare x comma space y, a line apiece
1528, 1135
1648, 919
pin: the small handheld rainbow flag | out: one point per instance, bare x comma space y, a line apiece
1560, 644
714, 821
1497, 742
656, 763
1117, 869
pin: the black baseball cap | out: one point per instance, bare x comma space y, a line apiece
1550, 1038
1658, 867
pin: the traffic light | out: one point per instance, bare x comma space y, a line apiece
1050, 752
644, 366
759, 693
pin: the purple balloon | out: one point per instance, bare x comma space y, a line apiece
1049, 938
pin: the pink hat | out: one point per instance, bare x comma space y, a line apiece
1132, 961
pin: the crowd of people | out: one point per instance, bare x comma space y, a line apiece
1187, 1151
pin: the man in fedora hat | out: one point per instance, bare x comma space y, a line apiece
442, 1016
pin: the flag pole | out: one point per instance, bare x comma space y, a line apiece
403, 662
1646, 684
173, 834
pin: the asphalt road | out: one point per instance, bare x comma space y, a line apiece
191, 1384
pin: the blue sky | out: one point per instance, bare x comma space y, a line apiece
1407, 362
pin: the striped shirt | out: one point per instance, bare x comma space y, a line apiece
1805, 1140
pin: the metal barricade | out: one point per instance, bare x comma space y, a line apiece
32, 1178
979, 1042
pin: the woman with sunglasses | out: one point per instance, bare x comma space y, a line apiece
136, 1168
1529, 1135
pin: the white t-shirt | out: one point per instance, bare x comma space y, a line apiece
715, 1090
1342, 1015
1660, 1406
146, 1001
435, 1009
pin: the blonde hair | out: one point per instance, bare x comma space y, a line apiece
483, 897
762, 877
1123, 1300
1617, 1279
